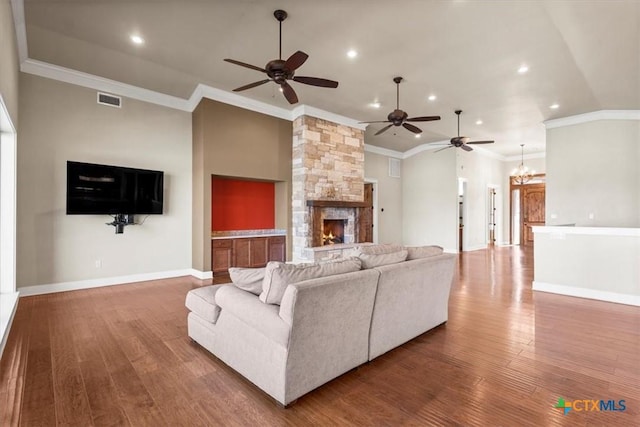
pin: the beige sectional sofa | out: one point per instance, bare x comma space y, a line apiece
321, 327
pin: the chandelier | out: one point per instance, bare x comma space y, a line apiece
522, 174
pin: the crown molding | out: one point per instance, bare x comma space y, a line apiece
79, 78
423, 147
307, 110
17, 7
231, 98
383, 151
592, 117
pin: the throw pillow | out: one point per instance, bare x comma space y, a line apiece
279, 275
378, 260
248, 279
418, 252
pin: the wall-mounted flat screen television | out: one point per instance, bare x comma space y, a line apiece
103, 189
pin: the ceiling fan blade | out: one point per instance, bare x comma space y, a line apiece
244, 64
381, 121
289, 93
315, 81
412, 128
466, 147
295, 60
450, 146
384, 129
423, 119
250, 85
480, 142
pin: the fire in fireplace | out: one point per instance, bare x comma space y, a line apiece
333, 231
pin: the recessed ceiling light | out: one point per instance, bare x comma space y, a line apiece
352, 53
137, 39
478, 122
375, 104
432, 98
523, 69
280, 89
417, 135
554, 106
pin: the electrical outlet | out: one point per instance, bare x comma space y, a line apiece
98, 263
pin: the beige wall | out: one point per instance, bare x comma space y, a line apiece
389, 194
9, 66
63, 122
429, 200
592, 168
231, 141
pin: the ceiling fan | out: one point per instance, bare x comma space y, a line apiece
398, 117
279, 71
462, 141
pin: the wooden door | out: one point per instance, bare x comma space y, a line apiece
242, 253
532, 208
365, 220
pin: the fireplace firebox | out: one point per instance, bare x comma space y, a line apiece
333, 231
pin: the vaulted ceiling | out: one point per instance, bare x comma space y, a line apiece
582, 55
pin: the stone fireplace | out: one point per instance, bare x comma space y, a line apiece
328, 181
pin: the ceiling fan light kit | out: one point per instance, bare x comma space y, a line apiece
399, 117
280, 71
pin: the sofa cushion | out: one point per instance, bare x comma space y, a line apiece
372, 261
247, 279
279, 275
379, 249
202, 301
418, 252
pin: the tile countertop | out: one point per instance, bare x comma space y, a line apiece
239, 234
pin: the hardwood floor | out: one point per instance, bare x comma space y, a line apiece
120, 355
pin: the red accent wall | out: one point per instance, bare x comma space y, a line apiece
242, 205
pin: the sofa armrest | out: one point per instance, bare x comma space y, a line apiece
249, 309
202, 302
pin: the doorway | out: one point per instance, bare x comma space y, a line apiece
366, 220
462, 206
491, 216
527, 209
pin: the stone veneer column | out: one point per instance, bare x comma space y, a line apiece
328, 164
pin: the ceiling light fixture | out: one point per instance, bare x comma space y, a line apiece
375, 104
554, 106
352, 53
522, 174
136, 39
479, 122
523, 69
432, 98
417, 135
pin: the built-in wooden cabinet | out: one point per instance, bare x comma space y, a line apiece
246, 252
278, 248
221, 255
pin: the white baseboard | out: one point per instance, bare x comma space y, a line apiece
8, 305
587, 293
106, 281
202, 275
474, 248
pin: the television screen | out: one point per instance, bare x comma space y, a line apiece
104, 189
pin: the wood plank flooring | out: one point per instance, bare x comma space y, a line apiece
120, 355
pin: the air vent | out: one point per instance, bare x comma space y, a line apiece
110, 100
394, 168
